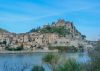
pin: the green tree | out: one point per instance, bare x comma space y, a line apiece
4, 42
83, 37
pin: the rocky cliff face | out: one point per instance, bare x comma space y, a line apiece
69, 25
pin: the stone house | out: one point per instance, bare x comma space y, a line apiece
52, 37
61, 42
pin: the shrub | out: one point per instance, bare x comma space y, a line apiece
95, 58
38, 68
51, 60
64, 48
14, 49
70, 65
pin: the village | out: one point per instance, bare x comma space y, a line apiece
38, 40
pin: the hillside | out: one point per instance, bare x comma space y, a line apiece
61, 27
58, 34
3, 30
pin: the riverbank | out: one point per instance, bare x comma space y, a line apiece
26, 51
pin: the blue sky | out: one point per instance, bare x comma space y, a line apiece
22, 15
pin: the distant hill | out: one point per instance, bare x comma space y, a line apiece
3, 30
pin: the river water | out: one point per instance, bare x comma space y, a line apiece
17, 62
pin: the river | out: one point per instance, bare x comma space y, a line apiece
15, 62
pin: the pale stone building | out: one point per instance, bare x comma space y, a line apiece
52, 37
61, 42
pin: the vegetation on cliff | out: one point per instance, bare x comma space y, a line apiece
19, 48
67, 48
60, 30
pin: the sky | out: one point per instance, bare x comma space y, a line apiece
20, 16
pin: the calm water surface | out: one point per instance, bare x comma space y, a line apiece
16, 62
